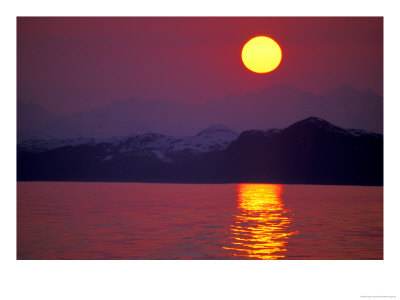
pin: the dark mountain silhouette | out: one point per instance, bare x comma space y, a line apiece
311, 151
344, 106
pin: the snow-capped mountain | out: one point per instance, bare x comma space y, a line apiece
316, 124
310, 151
216, 137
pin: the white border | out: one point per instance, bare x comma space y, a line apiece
199, 279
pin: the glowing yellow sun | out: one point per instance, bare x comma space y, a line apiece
261, 54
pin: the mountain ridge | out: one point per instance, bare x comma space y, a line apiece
310, 151
240, 112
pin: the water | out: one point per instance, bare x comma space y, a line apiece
64, 220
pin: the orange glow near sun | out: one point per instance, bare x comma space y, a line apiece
261, 54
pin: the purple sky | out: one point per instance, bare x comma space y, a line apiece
75, 64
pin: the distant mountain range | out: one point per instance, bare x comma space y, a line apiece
344, 106
311, 151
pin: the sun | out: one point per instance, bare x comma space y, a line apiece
261, 54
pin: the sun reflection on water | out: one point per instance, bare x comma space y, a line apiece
261, 228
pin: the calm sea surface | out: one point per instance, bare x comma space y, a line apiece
64, 220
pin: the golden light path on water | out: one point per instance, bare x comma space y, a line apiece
261, 228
